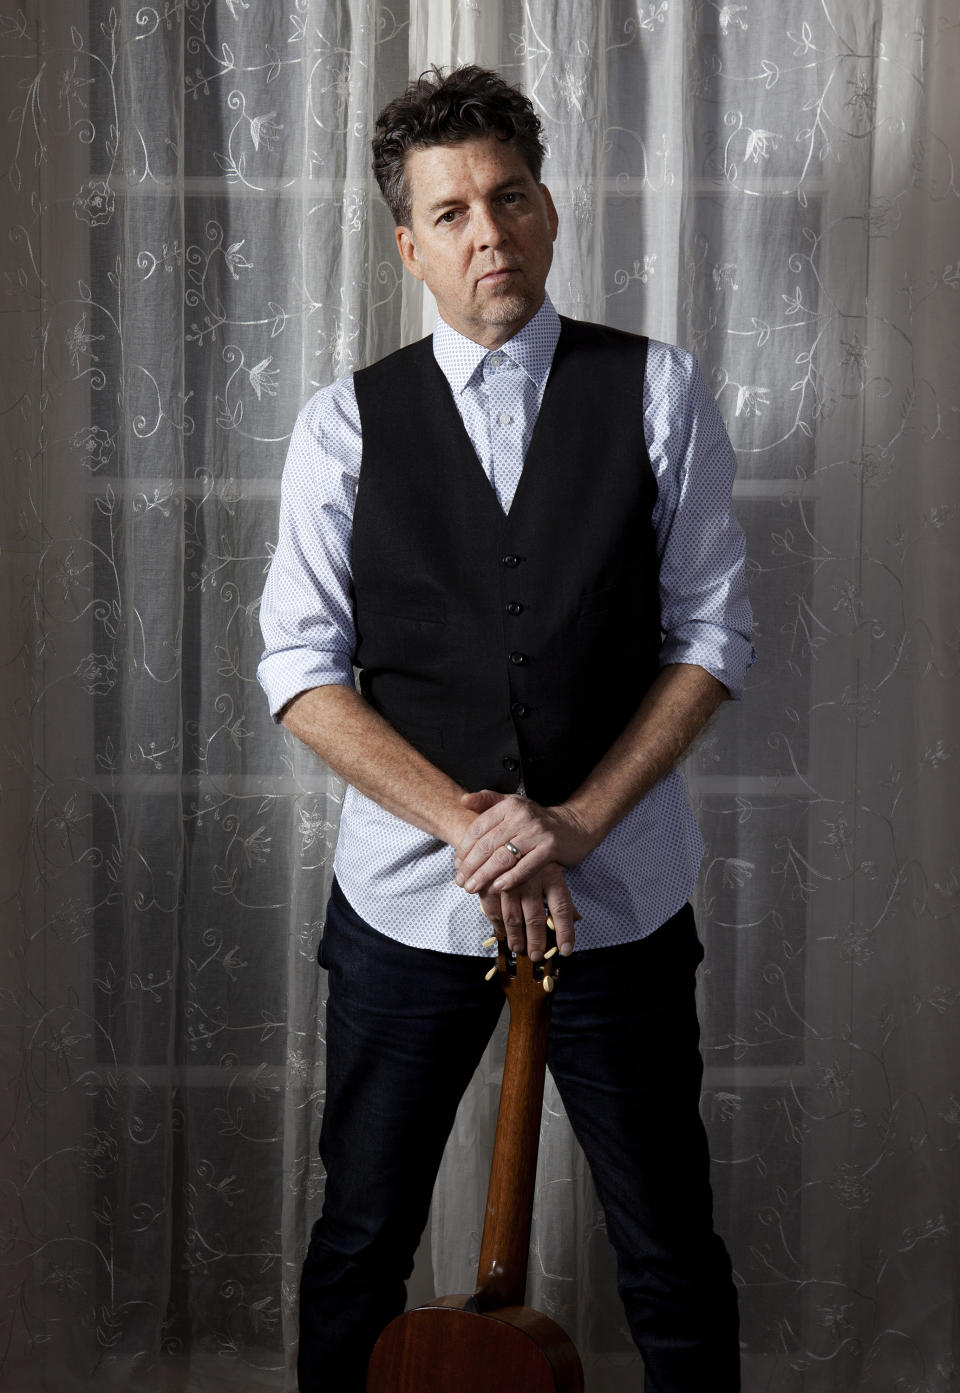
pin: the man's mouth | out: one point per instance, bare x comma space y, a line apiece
499, 276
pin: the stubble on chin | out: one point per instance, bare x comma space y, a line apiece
508, 307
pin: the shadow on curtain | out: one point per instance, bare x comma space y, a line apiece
194, 244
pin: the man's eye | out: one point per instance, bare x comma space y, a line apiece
448, 216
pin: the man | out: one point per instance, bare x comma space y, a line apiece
520, 532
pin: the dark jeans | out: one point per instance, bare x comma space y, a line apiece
406, 1028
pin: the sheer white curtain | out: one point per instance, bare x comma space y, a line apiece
194, 244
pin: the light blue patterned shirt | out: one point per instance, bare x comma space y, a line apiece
399, 879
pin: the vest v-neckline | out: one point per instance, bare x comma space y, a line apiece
530, 459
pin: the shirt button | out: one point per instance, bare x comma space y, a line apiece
510, 764
496, 359
520, 709
504, 419
514, 607
517, 658
511, 561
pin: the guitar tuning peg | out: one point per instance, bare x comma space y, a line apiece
548, 983
489, 942
489, 976
550, 924
550, 952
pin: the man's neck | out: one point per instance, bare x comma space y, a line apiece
492, 337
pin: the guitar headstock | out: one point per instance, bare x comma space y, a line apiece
519, 975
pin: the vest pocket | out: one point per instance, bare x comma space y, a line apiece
602, 601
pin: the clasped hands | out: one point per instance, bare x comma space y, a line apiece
517, 888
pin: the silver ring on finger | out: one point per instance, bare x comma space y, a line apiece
514, 850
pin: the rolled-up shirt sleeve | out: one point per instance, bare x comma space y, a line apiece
705, 612
306, 613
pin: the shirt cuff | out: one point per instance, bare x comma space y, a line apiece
724, 653
287, 673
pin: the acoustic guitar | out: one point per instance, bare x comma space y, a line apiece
489, 1342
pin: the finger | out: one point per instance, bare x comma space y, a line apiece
535, 920
523, 868
490, 855
511, 912
493, 809
489, 845
490, 904
563, 912
484, 833
502, 870
480, 801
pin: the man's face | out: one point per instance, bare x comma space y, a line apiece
481, 236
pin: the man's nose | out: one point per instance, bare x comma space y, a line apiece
487, 228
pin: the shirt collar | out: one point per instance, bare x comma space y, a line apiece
532, 348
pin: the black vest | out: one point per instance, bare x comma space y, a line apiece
517, 646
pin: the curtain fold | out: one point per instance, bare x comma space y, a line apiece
195, 244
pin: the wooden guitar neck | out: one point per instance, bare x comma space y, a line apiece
502, 1271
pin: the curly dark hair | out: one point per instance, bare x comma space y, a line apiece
466, 104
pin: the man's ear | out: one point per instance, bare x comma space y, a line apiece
408, 251
553, 217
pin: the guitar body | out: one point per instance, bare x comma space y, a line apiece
445, 1348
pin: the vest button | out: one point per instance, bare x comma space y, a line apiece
520, 708
511, 560
517, 658
510, 764
514, 607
